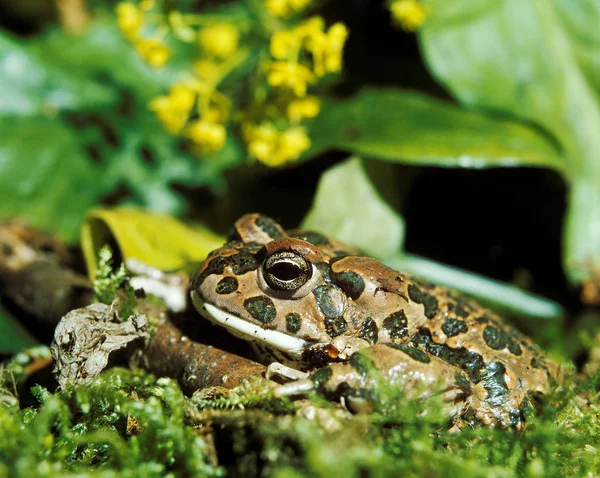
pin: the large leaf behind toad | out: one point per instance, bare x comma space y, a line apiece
535, 61
408, 127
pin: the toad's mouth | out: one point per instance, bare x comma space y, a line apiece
241, 328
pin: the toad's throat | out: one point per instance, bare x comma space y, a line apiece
293, 346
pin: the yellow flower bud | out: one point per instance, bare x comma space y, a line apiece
327, 49
220, 40
272, 147
129, 19
173, 110
182, 97
153, 51
207, 137
285, 45
294, 142
290, 75
336, 38
311, 27
299, 109
409, 14
282, 8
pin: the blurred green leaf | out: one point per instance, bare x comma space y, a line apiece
76, 127
409, 127
581, 21
348, 207
531, 59
45, 176
13, 337
31, 83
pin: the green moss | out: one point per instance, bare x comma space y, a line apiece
108, 281
84, 431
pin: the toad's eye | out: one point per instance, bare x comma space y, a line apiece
285, 273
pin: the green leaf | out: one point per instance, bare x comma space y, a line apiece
409, 127
348, 207
581, 20
525, 58
13, 337
45, 176
31, 84
55, 170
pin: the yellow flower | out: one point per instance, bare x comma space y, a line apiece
282, 8
220, 39
208, 137
294, 142
290, 75
272, 147
336, 37
174, 109
409, 14
299, 109
182, 97
153, 51
327, 49
311, 27
285, 44
129, 19
206, 69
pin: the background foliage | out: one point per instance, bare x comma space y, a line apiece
474, 127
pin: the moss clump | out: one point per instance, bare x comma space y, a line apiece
125, 423
128, 423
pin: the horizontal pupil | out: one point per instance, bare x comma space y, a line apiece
285, 271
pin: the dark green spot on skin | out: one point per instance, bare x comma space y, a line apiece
335, 326
369, 331
321, 377
261, 308
243, 262
494, 338
363, 365
415, 294
215, 266
396, 325
429, 302
413, 352
269, 227
462, 382
293, 322
453, 327
431, 306
324, 296
514, 348
227, 285
470, 362
351, 283
458, 310
495, 384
